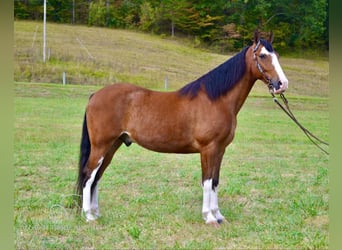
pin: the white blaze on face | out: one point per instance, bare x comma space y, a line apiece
277, 67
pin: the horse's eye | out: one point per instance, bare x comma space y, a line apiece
262, 56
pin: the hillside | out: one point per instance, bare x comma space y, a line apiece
101, 56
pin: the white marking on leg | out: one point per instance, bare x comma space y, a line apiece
214, 205
206, 210
213, 200
86, 201
206, 198
95, 201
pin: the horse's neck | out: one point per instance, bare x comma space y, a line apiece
235, 98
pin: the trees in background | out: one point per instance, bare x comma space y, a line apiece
226, 24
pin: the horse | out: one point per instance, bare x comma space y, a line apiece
200, 117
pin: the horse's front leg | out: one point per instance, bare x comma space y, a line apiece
210, 209
210, 177
214, 208
207, 211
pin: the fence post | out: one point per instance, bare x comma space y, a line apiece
64, 78
166, 83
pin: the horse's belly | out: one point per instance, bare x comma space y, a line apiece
169, 148
164, 142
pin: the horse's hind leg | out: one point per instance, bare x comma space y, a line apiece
94, 202
99, 159
86, 194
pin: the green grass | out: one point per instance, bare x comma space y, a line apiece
273, 185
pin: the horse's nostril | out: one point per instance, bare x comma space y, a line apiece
277, 84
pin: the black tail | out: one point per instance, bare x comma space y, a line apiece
84, 155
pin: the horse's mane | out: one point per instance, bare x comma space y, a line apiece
220, 80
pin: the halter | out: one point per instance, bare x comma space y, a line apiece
260, 68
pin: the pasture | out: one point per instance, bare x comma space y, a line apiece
273, 182
273, 191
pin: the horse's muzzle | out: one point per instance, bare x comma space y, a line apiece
278, 87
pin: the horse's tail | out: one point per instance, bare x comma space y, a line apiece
84, 155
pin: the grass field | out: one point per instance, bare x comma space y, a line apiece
273, 191
273, 185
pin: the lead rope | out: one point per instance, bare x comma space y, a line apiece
288, 111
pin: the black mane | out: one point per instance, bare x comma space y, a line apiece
220, 80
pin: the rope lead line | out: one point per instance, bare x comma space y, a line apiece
288, 111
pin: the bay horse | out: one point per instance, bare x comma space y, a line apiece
198, 118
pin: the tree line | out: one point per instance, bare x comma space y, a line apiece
223, 24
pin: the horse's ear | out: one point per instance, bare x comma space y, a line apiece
256, 36
270, 39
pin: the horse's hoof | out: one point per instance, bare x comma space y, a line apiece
220, 221
214, 223
90, 217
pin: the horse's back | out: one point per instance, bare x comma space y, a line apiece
122, 96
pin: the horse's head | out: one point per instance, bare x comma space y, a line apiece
267, 64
